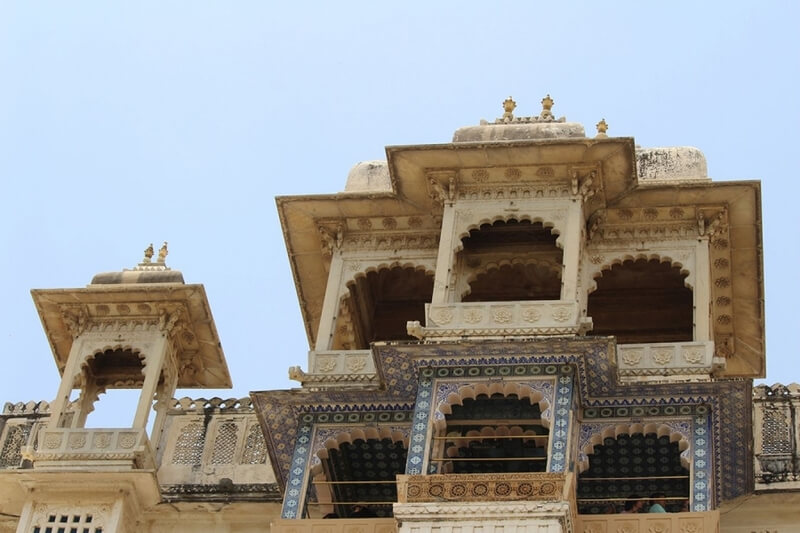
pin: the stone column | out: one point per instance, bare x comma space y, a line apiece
571, 241
330, 306
446, 255
702, 291
154, 362
59, 405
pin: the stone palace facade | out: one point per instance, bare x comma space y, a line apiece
525, 329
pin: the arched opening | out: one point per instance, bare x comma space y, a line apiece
379, 306
358, 474
642, 301
512, 261
634, 466
494, 431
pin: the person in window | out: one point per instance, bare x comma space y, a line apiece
657, 503
359, 511
634, 504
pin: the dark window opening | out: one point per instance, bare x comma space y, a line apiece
494, 434
635, 466
526, 262
361, 476
642, 302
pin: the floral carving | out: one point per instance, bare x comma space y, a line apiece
720, 244
356, 364
723, 301
625, 214
442, 316
650, 213
480, 175
503, 315
545, 172
77, 440
722, 283
562, 314
326, 364
513, 173
632, 357
389, 223
364, 223
126, 440
473, 316
724, 319
721, 263
102, 440
693, 356
597, 259
415, 222
676, 213
102, 310
52, 441
662, 357
531, 314
123, 309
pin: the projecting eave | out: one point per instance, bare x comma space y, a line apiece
609, 162
742, 274
196, 340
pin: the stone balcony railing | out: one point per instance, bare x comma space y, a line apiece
699, 522
498, 319
337, 369
103, 449
666, 360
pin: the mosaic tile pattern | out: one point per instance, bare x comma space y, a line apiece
419, 428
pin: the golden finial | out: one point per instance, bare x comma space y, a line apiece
148, 253
162, 253
602, 128
547, 106
509, 105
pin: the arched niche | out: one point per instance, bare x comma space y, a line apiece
642, 300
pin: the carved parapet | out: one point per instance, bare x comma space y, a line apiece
203, 405
666, 360
25, 409
482, 487
105, 449
699, 522
500, 319
337, 368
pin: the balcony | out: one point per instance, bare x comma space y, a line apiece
498, 319
338, 525
98, 449
666, 361
701, 522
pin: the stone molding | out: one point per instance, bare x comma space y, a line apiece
696, 522
337, 368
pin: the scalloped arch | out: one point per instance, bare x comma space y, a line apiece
597, 273
486, 269
547, 223
473, 391
650, 428
428, 270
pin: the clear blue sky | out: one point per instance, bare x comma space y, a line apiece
125, 123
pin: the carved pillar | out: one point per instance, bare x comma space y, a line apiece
571, 241
154, 362
330, 306
702, 291
90, 392
446, 255
164, 394
59, 405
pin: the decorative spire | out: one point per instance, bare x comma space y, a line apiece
162, 253
148, 254
547, 106
602, 128
508, 108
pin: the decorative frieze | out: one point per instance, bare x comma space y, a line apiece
336, 367
552, 317
481, 487
665, 359
63, 448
